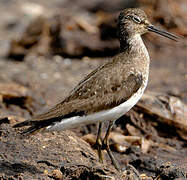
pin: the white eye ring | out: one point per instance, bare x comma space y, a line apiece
136, 19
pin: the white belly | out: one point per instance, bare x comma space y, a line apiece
106, 115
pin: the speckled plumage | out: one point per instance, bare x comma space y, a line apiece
110, 85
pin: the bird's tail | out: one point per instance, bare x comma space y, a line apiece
21, 124
32, 129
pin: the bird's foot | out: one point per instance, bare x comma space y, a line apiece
105, 146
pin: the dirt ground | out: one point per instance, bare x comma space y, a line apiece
45, 51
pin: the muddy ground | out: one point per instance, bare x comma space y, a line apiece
46, 48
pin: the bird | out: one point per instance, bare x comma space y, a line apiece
109, 91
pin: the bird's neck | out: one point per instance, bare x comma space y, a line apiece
133, 45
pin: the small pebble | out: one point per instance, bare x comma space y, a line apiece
57, 174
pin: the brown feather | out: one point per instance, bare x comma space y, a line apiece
102, 90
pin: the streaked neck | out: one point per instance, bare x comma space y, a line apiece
134, 45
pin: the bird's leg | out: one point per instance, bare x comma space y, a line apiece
105, 145
98, 143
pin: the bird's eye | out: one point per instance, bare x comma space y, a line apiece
136, 19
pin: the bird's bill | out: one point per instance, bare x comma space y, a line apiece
163, 33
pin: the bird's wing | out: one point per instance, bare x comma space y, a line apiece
100, 90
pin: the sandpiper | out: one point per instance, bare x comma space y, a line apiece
109, 91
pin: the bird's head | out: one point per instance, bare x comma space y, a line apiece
134, 21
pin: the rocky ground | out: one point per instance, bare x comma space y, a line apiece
46, 48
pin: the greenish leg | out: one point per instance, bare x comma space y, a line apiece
99, 143
105, 145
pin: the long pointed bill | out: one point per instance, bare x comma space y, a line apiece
163, 33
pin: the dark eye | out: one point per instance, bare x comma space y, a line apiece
136, 19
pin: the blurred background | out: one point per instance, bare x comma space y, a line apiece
48, 46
